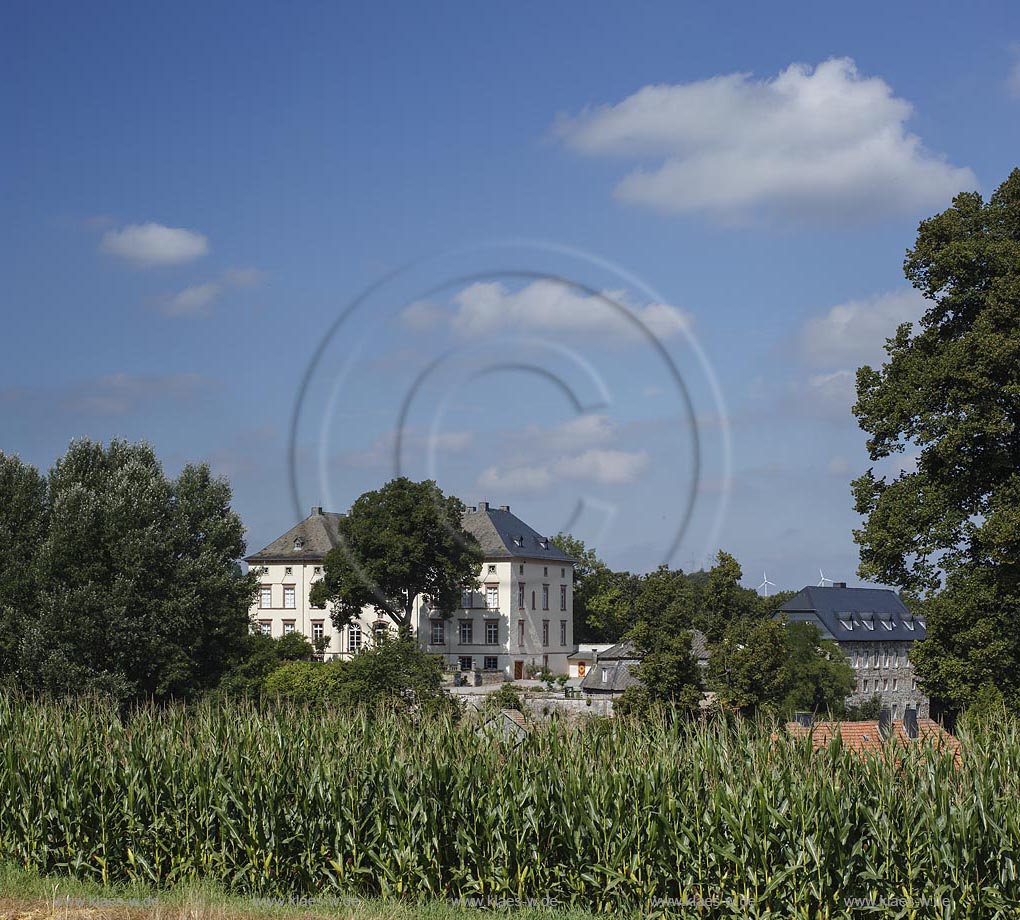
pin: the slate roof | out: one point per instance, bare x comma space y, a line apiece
317, 534
619, 676
503, 535
855, 614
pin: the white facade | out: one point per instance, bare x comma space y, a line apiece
519, 620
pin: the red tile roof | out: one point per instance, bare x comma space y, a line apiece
865, 737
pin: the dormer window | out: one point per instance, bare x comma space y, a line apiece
909, 624
887, 624
299, 545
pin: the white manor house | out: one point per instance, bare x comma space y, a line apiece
521, 616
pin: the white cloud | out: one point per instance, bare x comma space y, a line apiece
838, 388
516, 479
551, 306
854, 333
153, 244
193, 300
606, 467
809, 143
609, 467
421, 316
575, 434
196, 299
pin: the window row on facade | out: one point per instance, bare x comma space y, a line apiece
880, 660
864, 685
466, 632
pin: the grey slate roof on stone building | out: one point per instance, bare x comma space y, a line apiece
308, 541
503, 535
619, 660
855, 614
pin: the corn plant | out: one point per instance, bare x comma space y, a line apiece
656, 819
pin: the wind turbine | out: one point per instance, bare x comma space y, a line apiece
823, 579
766, 584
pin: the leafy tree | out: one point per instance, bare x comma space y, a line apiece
972, 642
669, 673
865, 711
23, 521
818, 676
394, 672
397, 543
259, 657
723, 599
748, 666
594, 600
137, 591
950, 393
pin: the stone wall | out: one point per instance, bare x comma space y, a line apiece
884, 668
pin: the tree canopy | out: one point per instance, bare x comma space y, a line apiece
131, 584
949, 394
397, 543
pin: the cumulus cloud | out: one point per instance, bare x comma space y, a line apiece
153, 244
196, 299
597, 465
422, 315
854, 332
550, 306
193, 300
837, 389
822, 142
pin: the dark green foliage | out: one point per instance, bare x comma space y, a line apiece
506, 697
865, 711
394, 672
396, 543
669, 673
594, 620
950, 392
135, 589
818, 676
723, 599
23, 523
779, 667
748, 666
973, 641
258, 657
280, 800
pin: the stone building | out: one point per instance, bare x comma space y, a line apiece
876, 631
520, 619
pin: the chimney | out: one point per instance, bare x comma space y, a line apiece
504, 507
803, 718
910, 723
483, 506
316, 510
839, 584
885, 723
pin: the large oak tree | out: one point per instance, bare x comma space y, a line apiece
949, 394
397, 543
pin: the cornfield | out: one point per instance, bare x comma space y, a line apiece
610, 816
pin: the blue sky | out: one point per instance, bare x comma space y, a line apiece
195, 194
